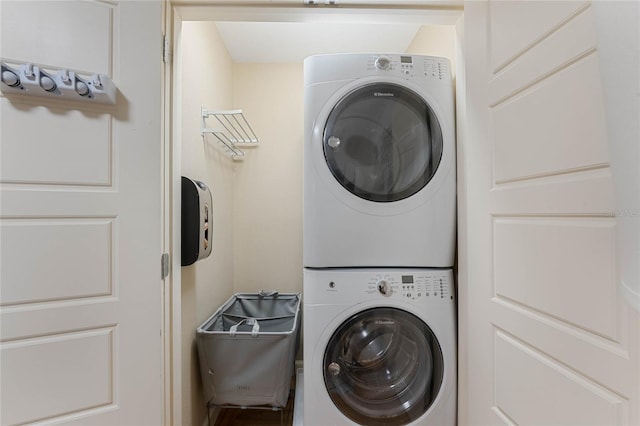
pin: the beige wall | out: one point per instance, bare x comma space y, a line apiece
267, 200
206, 81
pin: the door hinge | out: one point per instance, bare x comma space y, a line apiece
164, 264
166, 51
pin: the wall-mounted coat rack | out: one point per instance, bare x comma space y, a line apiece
25, 78
234, 131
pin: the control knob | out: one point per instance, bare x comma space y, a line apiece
383, 63
384, 288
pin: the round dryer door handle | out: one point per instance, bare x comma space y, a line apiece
334, 368
333, 142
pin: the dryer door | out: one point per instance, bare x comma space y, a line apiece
382, 142
383, 366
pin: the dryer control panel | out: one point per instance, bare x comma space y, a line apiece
409, 66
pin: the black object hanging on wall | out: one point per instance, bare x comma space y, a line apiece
197, 215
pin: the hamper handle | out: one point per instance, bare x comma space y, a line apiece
250, 321
268, 293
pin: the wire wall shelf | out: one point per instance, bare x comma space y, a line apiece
232, 132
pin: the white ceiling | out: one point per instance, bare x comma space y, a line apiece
293, 41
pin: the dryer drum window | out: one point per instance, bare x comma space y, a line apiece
382, 142
383, 366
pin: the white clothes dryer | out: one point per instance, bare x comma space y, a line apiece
379, 161
380, 347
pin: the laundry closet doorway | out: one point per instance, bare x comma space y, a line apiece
539, 310
258, 201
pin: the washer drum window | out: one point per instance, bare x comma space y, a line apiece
383, 366
382, 142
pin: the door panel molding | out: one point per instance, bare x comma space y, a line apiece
81, 321
546, 321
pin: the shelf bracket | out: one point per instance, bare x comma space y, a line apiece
234, 131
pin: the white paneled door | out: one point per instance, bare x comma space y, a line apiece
80, 227
550, 339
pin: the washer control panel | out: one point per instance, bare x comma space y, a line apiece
348, 286
428, 284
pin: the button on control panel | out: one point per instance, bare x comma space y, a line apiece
436, 68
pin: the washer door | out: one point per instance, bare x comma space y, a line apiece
382, 142
383, 366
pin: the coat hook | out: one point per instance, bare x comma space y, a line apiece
25, 78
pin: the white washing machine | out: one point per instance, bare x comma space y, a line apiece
379, 161
380, 347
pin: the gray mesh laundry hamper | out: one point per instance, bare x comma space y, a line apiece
247, 349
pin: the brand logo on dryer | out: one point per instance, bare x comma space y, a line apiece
383, 94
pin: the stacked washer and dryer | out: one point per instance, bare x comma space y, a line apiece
379, 241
